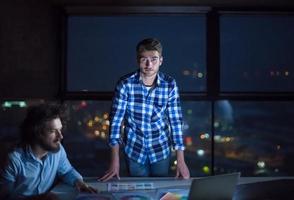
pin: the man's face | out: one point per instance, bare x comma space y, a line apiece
51, 137
149, 62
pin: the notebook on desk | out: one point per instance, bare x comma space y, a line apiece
218, 187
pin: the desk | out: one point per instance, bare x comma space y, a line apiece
66, 192
248, 187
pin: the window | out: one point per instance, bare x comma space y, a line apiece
102, 48
85, 136
256, 52
255, 138
236, 83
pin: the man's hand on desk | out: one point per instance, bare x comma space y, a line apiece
182, 171
83, 187
112, 171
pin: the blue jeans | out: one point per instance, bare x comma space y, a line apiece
160, 168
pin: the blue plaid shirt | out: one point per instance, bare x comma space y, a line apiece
152, 118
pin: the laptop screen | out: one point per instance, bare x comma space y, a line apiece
218, 187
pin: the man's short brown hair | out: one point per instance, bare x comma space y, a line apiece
149, 44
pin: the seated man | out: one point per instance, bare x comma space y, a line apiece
39, 159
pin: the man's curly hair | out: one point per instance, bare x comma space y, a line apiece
34, 123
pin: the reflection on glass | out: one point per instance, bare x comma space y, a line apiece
256, 53
254, 138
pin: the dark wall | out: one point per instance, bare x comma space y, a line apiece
29, 61
30, 40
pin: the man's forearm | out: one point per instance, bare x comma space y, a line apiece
115, 153
182, 169
180, 156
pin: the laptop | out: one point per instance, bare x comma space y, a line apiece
218, 187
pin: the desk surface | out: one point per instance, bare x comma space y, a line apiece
259, 186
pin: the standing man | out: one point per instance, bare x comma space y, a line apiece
148, 103
40, 158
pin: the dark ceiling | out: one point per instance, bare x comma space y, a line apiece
216, 3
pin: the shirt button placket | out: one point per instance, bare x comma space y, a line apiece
41, 164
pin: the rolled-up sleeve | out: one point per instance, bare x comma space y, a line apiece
119, 105
175, 118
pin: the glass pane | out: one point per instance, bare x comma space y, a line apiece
257, 53
255, 138
86, 137
197, 137
101, 49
